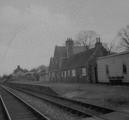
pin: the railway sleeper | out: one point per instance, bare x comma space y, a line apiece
72, 110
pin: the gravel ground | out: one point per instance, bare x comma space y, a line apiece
49, 110
116, 97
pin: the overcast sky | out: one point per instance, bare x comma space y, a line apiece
30, 29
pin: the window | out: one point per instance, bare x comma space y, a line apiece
107, 70
53, 74
68, 72
73, 73
124, 69
65, 73
83, 71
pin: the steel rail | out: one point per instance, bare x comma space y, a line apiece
5, 108
62, 105
44, 117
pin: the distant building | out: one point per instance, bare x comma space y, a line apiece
114, 68
20, 74
41, 73
75, 63
44, 76
19, 71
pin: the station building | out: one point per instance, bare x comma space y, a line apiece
79, 66
62, 53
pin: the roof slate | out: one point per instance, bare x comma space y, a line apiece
79, 59
60, 51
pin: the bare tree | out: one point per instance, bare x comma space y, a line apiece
110, 47
86, 38
123, 34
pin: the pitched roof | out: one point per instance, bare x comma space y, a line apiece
82, 58
78, 49
53, 65
60, 51
79, 59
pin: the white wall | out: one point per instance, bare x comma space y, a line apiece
115, 64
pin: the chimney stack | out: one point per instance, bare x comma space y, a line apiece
98, 43
69, 47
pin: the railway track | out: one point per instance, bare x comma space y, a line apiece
3, 110
75, 107
18, 109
